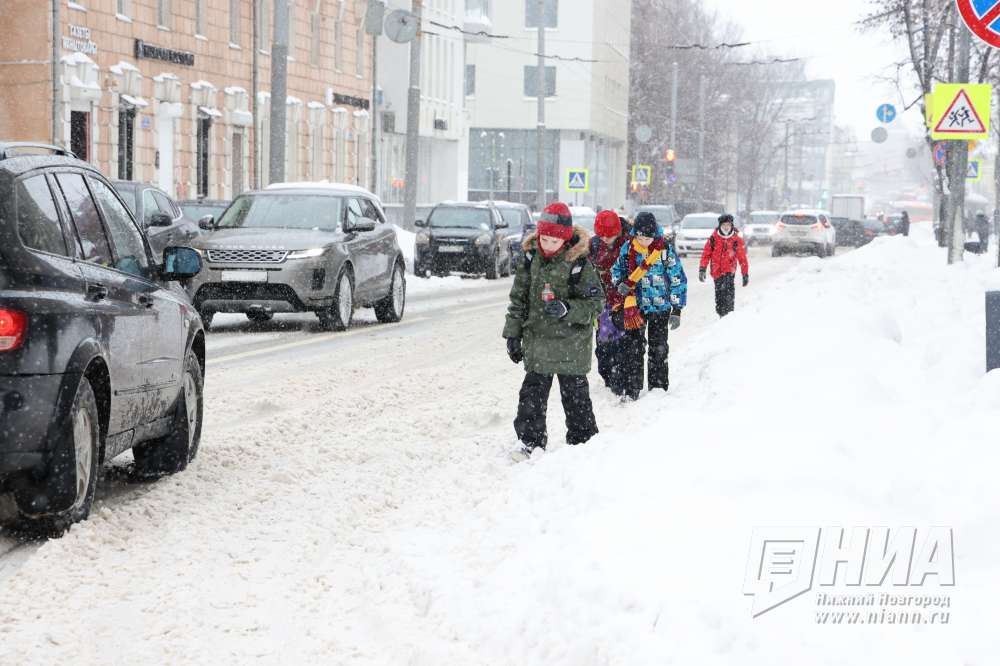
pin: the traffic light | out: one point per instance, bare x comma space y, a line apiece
670, 156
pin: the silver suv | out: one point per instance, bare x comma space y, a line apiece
301, 248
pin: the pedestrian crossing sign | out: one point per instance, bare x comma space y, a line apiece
642, 174
975, 172
961, 111
577, 180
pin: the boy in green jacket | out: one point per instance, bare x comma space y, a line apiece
556, 297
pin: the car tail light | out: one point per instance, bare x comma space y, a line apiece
778, 226
13, 326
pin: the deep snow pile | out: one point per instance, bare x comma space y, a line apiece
851, 394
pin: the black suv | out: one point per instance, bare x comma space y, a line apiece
464, 237
158, 215
100, 348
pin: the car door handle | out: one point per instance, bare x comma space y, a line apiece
145, 300
96, 292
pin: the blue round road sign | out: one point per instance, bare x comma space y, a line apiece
886, 113
939, 153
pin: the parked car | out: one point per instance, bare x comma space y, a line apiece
759, 230
584, 216
465, 238
519, 224
805, 230
871, 229
196, 210
100, 349
158, 214
849, 232
665, 216
694, 232
323, 248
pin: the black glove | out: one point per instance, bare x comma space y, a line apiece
675, 320
514, 350
746, 279
623, 289
557, 309
701, 275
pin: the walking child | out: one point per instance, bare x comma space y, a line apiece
605, 248
723, 251
651, 279
554, 302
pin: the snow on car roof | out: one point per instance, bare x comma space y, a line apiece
320, 185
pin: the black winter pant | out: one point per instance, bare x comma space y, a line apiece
657, 328
984, 241
725, 294
611, 364
534, 401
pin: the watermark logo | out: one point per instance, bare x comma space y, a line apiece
787, 562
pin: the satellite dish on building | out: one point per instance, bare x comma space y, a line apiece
401, 26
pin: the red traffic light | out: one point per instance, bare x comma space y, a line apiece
670, 155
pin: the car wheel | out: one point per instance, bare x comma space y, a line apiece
508, 267
775, 251
833, 250
171, 454
390, 309
206, 319
85, 438
338, 316
493, 268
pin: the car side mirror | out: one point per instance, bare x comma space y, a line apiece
502, 225
207, 223
420, 223
180, 263
160, 220
362, 225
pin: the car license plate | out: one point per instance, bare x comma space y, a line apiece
798, 232
451, 248
244, 276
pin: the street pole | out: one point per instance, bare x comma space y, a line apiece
375, 117
961, 157
413, 121
540, 177
784, 191
701, 143
510, 168
254, 86
279, 92
57, 134
673, 108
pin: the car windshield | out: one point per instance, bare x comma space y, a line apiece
799, 219
454, 217
513, 218
198, 211
763, 218
661, 214
284, 211
874, 225
700, 222
585, 220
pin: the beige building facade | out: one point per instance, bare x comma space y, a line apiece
162, 91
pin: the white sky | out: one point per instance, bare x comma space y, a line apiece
826, 33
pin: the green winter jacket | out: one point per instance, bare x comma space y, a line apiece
555, 346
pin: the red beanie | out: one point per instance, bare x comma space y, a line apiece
556, 221
607, 224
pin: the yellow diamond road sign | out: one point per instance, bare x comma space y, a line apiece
961, 111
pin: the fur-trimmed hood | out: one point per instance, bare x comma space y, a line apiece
578, 246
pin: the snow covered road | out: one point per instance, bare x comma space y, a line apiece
353, 500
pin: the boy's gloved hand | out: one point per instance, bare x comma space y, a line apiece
623, 289
746, 279
701, 275
514, 350
675, 319
557, 309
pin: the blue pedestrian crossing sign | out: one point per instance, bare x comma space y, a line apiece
577, 180
886, 113
975, 172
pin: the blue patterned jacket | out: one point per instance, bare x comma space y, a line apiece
665, 285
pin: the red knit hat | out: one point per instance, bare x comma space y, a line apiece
556, 221
607, 224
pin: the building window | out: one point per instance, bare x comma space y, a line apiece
164, 15
199, 17
235, 20
470, 80
316, 171
531, 81
121, 6
237, 184
314, 27
389, 122
551, 13
79, 134
126, 142
264, 25
340, 157
204, 148
338, 43
359, 67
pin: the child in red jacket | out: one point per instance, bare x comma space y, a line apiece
723, 251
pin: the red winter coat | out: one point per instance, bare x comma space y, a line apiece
724, 253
